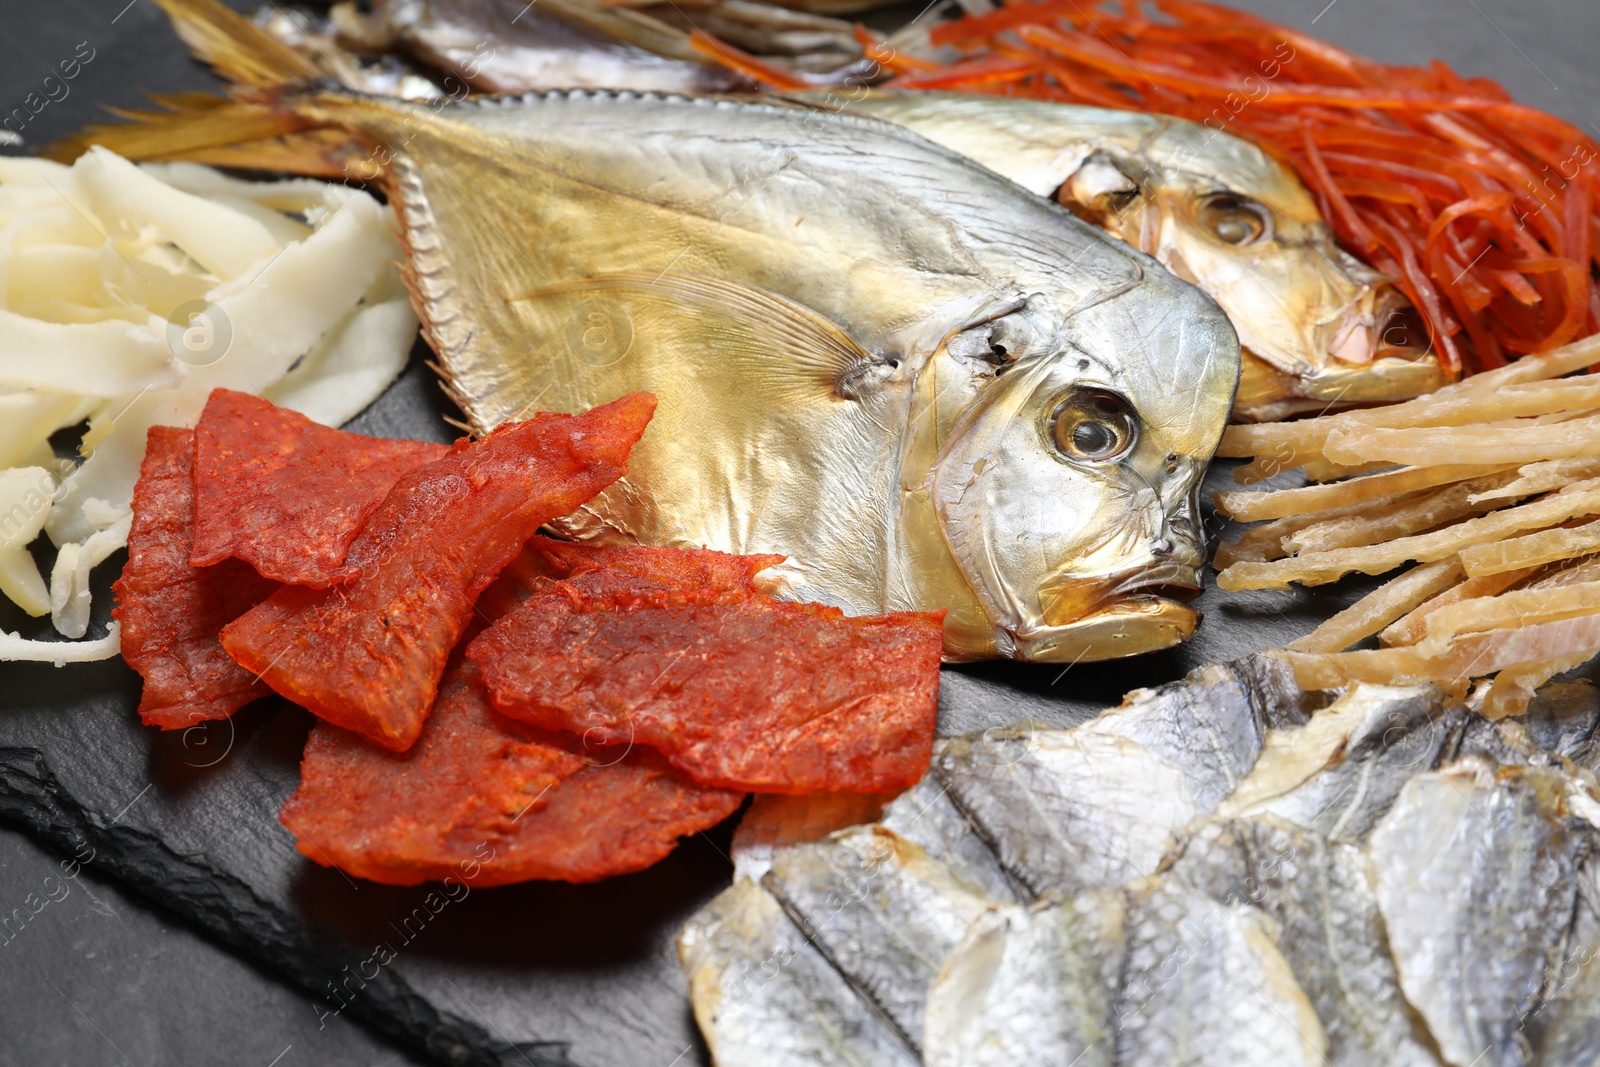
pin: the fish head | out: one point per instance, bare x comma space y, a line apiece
1319, 328
1067, 488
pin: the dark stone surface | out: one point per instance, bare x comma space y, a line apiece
186, 823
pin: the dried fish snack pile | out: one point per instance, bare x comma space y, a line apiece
1490, 487
415, 549
130, 293
1218, 872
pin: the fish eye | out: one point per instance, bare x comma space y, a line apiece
1236, 220
1093, 426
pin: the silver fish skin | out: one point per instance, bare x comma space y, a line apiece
882, 911
1340, 772
1031, 985
1474, 870
765, 997
1068, 810
1565, 1030
1319, 894
926, 815
1204, 985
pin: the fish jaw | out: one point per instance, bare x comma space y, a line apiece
1131, 626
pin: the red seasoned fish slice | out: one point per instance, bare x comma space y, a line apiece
171, 611
750, 694
677, 568
489, 801
285, 494
367, 654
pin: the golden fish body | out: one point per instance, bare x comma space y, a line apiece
1319, 327
926, 386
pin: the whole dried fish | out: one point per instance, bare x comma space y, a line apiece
927, 387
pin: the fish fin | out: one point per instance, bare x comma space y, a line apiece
238, 49
774, 337
191, 132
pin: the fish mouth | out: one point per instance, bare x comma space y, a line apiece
1127, 613
1361, 364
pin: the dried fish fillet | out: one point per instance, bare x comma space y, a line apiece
1474, 877
885, 913
1318, 894
1338, 774
765, 997
1031, 985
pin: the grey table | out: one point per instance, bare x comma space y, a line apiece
95, 976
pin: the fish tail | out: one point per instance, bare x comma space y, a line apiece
257, 125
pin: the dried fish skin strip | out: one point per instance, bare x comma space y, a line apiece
1408, 629
1033, 985
885, 913
1519, 607
367, 654
1205, 985
926, 815
1339, 774
1513, 689
170, 610
1318, 895
730, 692
285, 494
1381, 607
1544, 476
1467, 656
487, 801
759, 988
1320, 568
1267, 541
1474, 874
1531, 550
1488, 444
1309, 499
1423, 512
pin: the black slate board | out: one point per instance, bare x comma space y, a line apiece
528, 974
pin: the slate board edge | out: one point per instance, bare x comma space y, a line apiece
32, 800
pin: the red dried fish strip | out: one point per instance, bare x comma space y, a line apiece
171, 611
285, 494
367, 654
488, 801
752, 694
